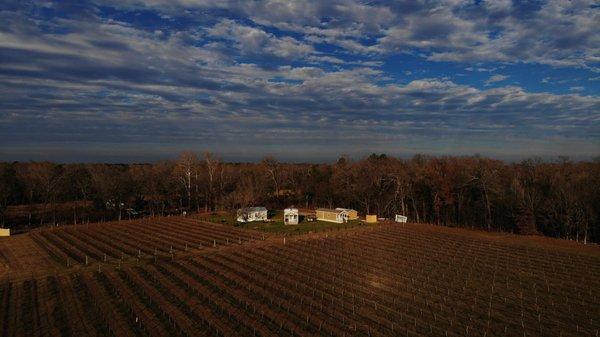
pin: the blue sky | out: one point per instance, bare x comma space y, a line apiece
133, 80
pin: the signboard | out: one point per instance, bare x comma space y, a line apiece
401, 218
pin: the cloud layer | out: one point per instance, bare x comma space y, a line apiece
306, 80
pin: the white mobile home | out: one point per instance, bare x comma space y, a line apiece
290, 216
249, 214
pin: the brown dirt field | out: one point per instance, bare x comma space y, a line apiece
537, 241
19, 254
382, 280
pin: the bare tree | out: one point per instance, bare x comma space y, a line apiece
8, 188
113, 187
555, 198
212, 168
272, 167
486, 179
79, 186
185, 170
45, 177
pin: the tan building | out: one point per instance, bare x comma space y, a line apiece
338, 215
330, 215
371, 218
352, 214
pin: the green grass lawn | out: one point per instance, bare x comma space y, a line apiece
303, 227
277, 225
225, 219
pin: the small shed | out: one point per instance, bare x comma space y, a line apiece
290, 216
371, 218
249, 214
401, 218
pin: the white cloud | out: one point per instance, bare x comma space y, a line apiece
556, 32
88, 80
253, 40
495, 78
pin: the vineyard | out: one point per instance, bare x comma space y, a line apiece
115, 243
184, 277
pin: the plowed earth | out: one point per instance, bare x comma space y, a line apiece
183, 277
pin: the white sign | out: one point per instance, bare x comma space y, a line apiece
401, 218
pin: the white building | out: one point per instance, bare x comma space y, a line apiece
290, 216
249, 214
401, 218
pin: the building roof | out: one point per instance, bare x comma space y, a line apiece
344, 209
252, 209
329, 210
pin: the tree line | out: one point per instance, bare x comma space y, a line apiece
559, 198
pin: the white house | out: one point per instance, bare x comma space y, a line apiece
249, 214
290, 216
401, 218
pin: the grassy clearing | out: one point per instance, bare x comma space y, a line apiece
221, 218
277, 225
301, 228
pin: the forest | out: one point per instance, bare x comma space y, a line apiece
557, 198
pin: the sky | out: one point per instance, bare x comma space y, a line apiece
135, 80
